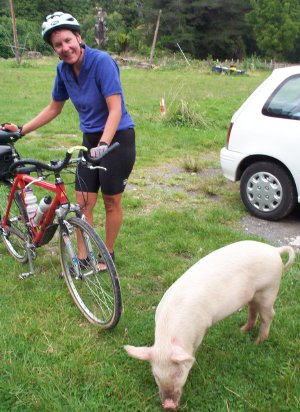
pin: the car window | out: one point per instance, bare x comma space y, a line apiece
285, 100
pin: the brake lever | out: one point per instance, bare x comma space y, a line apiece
91, 167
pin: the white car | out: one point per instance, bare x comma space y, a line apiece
263, 146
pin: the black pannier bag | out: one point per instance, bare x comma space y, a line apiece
6, 159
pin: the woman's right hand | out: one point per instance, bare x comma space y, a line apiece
10, 127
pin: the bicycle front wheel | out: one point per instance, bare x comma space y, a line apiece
96, 293
14, 236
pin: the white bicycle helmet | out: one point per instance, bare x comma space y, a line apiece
58, 20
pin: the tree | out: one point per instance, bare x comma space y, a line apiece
220, 28
37, 10
28, 35
205, 28
276, 26
6, 38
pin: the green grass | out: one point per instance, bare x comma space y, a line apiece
177, 208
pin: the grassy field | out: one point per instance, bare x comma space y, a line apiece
177, 208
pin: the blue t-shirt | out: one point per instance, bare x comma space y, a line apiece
99, 78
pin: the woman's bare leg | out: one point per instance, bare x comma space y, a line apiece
114, 217
87, 202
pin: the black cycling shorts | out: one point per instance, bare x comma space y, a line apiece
119, 164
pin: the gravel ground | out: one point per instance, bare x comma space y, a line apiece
284, 232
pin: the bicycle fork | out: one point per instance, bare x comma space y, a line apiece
91, 253
30, 253
89, 248
66, 231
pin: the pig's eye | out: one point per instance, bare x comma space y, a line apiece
177, 373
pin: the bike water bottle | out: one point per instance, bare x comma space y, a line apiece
30, 202
42, 208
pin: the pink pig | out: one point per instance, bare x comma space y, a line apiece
246, 272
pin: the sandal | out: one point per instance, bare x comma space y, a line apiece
101, 261
83, 263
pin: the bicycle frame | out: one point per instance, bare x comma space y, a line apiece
21, 181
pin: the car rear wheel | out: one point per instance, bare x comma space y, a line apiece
268, 191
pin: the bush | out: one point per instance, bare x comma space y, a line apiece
5, 37
29, 37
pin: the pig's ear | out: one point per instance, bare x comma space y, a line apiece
142, 352
178, 355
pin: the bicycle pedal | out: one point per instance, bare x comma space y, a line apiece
26, 275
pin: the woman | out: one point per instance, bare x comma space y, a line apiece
91, 79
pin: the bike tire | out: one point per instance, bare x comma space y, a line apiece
14, 236
97, 294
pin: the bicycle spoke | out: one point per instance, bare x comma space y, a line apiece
103, 303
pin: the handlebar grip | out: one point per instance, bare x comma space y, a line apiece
111, 148
9, 137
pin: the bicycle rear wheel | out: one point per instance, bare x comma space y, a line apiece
14, 236
97, 294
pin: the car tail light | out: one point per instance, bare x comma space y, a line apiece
228, 134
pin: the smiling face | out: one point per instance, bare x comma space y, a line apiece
67, 46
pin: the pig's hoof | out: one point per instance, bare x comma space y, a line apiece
247, 327
260, 339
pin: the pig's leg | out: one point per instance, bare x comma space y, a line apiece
252, 315
266, 313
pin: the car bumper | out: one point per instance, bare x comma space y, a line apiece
230, 162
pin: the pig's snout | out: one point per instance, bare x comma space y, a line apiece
169, 404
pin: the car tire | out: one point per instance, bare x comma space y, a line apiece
267, 191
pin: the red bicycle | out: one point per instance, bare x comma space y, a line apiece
24, 229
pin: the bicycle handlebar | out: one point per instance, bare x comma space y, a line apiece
7, 137
37, 165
